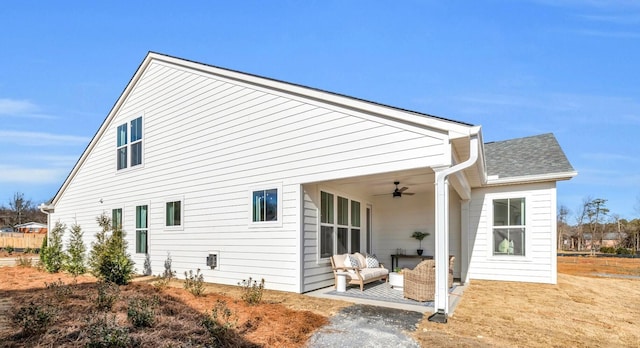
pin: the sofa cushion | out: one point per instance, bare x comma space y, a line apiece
370, 273
372, 261
362, 260
351, 261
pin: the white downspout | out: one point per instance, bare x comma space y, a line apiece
46, 209
441, 303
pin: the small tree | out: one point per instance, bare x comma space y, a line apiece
76, 250
43, 252
109, 259
99, 245
55, 256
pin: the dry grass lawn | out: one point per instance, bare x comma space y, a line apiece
582, 310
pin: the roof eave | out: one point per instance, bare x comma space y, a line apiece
530, 178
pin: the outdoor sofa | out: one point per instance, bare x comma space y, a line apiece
360, 269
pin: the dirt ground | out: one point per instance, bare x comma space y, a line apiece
593, 305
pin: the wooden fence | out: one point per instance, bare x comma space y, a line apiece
22, 240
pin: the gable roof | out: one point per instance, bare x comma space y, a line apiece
535, 158
455, 129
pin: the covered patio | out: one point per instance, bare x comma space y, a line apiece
383, 295
377, 214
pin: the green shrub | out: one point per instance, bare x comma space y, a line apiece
61, 291
55, 256
27, 251
43, 251
194, 283
34, 318
76, 250
141, 311
252, 291
104, 332
108, 258
623, 251
23, 261
9, 249
108, 294
220, 322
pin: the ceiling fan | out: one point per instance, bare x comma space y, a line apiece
398, 192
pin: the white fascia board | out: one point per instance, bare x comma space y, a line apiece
455, 129
530, 178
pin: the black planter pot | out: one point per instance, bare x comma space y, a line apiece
420, 252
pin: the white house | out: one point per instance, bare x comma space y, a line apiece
272, 178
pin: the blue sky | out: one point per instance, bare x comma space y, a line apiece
518, 68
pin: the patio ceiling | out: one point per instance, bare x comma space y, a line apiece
417, 181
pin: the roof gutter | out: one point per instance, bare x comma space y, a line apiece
441, 303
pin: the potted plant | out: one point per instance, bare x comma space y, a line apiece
420, 236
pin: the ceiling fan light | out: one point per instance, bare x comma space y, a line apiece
397, 194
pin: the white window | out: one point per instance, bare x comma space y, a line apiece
265, 205
142, 229
340, 225
116, 219
173, 213
129, 144
265, 202
509, 226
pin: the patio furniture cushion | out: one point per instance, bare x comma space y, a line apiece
357, 274
351, 261
372, 261
362, 260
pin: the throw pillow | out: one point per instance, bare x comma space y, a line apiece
351, 261
372, 261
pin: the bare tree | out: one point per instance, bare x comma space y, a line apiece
563, 213
581, 217
22, 210
596, 212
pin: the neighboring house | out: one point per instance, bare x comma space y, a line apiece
609, 239
272, 178
31, 227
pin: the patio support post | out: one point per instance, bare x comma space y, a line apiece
441, 255
441, 303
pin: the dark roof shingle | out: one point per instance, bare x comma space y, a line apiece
535, 155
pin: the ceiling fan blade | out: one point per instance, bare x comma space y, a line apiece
403, 189
408, 193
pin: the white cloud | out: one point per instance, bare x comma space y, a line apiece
622, 19
12, 106
10, 174
601, 156
21, 108
609, 33
40, 138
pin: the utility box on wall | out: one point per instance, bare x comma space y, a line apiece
212, 260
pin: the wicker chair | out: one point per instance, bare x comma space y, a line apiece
420, 282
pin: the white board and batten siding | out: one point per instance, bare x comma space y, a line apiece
207, 141
539, 265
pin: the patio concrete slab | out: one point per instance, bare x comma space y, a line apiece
374, 295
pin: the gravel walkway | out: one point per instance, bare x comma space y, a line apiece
365, 326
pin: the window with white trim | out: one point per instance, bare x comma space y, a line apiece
129, 144
173, 214
509, 226
116, 219
340, 225
265, 205
142, 229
